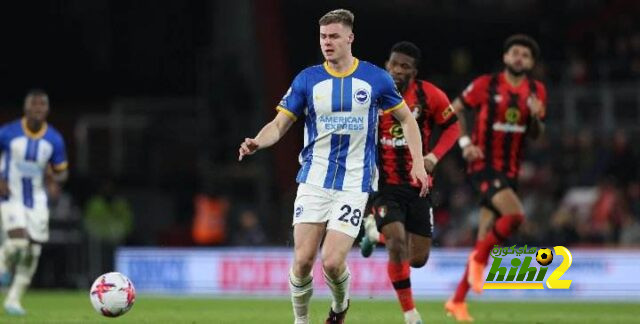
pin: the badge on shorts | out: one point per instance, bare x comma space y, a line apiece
298, 211
496, 183
382, 211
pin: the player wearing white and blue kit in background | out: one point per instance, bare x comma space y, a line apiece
33, 153
339, 102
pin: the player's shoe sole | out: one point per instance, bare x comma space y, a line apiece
458, 311
366, 246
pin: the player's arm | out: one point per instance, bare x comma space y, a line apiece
414, 141
268, 135
444, 115
472, 96
4, 184
470, 152
536, 125
58, 174
290, 108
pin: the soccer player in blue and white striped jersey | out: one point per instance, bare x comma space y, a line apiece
29, 147
339, 103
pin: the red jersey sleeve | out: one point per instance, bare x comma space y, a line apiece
438, 103
476, 92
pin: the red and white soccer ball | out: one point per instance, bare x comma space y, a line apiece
112, 294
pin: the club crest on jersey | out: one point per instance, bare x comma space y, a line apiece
361, 96
496, 183
382, 211
512, 115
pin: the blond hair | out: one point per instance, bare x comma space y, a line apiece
342, 16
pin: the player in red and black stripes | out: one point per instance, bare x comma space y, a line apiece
509, 106
403, 217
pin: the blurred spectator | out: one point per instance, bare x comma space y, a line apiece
108, 217
108, 220
210, 219
249, 231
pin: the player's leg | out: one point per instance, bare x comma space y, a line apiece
419, 248
25, 269
347, 211
16, 250
335, 249
457, 306
309, 218
507, 204
371, 235
419, 227
36, 232
307, 238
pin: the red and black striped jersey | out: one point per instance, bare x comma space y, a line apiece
430, 106
502, 118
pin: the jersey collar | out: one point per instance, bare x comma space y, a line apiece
344, 74
31, 134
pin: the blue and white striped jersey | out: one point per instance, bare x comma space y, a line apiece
341, 121
25, 157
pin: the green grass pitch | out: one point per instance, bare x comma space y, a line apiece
74, 307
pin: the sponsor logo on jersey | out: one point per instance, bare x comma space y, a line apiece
361, 96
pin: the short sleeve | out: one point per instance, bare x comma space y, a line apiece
439, 104
390, 98
294, 101
476, 92
59, 156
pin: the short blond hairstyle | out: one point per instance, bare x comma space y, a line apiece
342, 16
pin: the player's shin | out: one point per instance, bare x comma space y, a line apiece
301, 291
399, 274
463, 287
10, 252
339, 290
25, 269
504, 227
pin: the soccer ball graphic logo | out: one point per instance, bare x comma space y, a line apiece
544, 257
112, 294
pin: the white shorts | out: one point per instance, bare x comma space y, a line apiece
16, 215
341, 210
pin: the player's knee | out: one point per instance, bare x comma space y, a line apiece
303, 264
419, 261
396, 246
14, 245
33, 255
333, 266
517, 219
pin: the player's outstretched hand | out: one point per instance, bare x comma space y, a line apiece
420, 174
472, 153
248, 147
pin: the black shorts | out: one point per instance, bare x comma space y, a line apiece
488, 182
397, 203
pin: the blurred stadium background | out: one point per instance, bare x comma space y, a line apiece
153, 99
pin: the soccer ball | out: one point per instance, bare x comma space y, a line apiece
544, 257
112, 294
